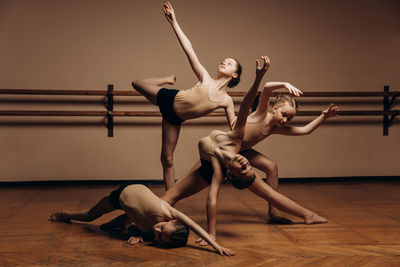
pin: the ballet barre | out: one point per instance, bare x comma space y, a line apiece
388, 100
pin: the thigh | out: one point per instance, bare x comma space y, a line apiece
258, 160
170, 135
190, 184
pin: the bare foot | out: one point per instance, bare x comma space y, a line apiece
315, 218
59, 217
275, 219
171, 79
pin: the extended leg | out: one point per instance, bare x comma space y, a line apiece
270, 168
102, 207
283, 203
190, 184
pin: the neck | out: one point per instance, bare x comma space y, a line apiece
270, 121
222, 81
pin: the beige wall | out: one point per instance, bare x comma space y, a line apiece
346, 45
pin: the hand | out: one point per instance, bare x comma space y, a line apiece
260, 70
134, 240
225, 251
293, 90
169, 12
331, 111
202, 242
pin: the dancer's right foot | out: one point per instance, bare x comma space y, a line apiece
171, 79
59, 217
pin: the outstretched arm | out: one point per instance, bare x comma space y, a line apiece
201, 232
230, 113
248, 99
198, 69
269, 87
331, 111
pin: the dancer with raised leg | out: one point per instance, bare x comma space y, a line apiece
176, 106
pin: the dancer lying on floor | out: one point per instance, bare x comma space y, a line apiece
176, 106
152, 216
265, 121
220, 158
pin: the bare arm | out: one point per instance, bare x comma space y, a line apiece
331, 111
230, 113
212, 197
201, 232
248, 99
269, 87
198, 69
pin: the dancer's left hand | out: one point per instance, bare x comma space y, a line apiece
260, 70
331, 111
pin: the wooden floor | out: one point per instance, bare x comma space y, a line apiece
363, 228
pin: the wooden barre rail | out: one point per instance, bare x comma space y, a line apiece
60, 113
135, 93
388, 115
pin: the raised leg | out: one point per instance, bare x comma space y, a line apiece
150, 87
102, 207
270, 168
283, 203
170, 135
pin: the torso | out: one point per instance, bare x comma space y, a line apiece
254, 133
217, 140
143, 206
197, 102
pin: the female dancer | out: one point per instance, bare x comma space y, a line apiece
151, 215
264, 122
177, 106
219, 159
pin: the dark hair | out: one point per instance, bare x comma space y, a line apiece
240, 182
179, 237
283, 98
235, 81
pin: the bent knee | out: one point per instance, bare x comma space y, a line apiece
167, 160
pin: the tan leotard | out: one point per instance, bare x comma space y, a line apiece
216, 138
254, 133
194, 103
142, 206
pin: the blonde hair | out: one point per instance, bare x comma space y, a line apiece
285, 98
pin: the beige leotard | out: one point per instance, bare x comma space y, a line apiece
194, 103
142, 206
216, 138
254, 133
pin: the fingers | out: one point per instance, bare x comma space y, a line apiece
226, 252
135, 240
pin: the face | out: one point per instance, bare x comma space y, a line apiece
162, 231
283, 114
228, 67
241, 167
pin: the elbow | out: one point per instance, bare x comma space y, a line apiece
211, 203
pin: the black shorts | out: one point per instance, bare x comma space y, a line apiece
165, 102
113, 197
